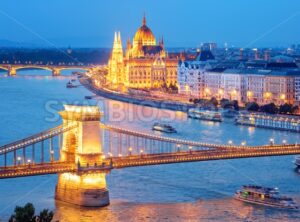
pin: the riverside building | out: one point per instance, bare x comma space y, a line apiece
244, 85
145, 63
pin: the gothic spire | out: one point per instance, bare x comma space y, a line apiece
144, 19
119, 37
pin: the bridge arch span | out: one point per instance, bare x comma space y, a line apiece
33, 67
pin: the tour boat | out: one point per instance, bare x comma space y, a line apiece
70, 85
163, 128
205, 115
297, 161
229, 113
265, 196
88, 97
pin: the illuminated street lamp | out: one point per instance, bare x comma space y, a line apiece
207, 92
271, 141
284, 142
129, 151
28, 161
230, 142
19, 160
243, 143
249, 94
51, 155
178, 148
282, 96
190, 149
220, 93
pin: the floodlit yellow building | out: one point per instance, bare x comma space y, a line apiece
145, 63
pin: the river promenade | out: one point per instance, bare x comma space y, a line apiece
134, 99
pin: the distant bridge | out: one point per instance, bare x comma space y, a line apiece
55, 69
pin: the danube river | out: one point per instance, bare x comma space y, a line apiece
199, 191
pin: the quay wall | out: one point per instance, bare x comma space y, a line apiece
176, 106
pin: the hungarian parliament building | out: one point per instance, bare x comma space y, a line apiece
145, 63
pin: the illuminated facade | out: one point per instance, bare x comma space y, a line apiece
244, 85
145, 63
116, 63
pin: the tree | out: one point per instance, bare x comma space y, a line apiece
45, 216
27, 214
286, 108
173, 87
270, 108
235, 104
214, 101
252, 106
224, 102
295, 109
23, 214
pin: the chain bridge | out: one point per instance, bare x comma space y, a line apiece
82, 150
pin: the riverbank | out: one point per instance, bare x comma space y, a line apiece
137, 100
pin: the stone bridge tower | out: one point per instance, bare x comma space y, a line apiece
82, 146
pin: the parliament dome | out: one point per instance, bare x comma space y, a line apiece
144, 35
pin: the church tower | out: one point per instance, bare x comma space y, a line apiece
116, 63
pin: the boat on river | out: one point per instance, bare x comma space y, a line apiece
265, 196
209, 115
70, 85
163, 128
297, 161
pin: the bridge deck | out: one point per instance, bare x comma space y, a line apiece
146, 160
200, 155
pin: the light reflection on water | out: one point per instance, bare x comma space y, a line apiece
176, 192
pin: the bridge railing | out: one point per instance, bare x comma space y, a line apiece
35, 138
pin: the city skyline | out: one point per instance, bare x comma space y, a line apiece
184, 24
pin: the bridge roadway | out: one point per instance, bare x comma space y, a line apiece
201, 155
36, 169
184, 142
35, 138
146, 160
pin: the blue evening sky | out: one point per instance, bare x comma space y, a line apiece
91, 23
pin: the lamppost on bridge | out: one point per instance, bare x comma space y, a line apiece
19, 160
51, 155
284, 142
129, 151
271, 141
243, 143
142, 152
178, 148
190, 149
230, 142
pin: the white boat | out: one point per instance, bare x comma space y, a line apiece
205, 115
163, 128
264, 196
